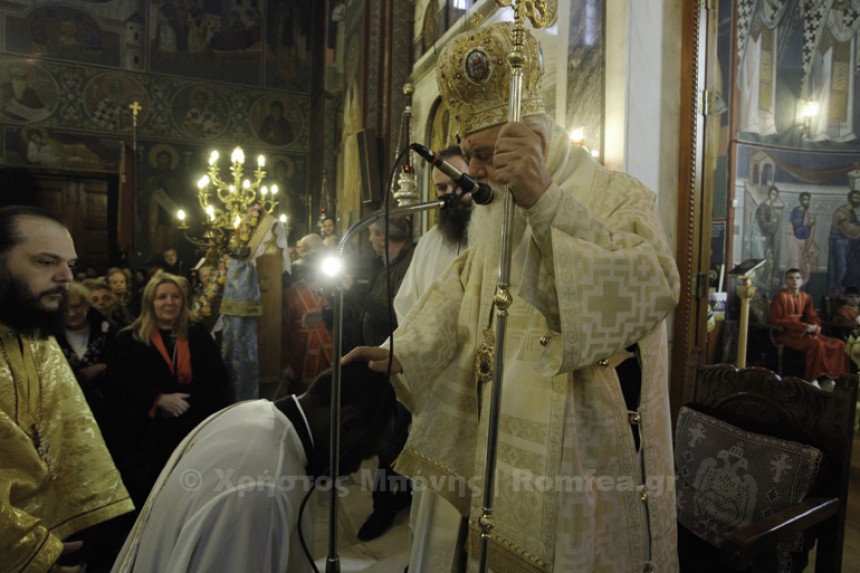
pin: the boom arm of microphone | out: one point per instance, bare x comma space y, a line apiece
481, 193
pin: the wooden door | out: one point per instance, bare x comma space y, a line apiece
83, 206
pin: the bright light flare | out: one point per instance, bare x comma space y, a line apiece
811, 109
332, 266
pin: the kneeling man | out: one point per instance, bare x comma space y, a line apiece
230, 496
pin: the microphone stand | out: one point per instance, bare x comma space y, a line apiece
333, 561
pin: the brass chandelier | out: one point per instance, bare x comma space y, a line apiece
234, 208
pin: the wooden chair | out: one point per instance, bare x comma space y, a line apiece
829, 306
756, 400
788, 361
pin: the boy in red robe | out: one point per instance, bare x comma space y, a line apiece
848, 315
792, 310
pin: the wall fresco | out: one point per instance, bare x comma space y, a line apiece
288, 44
63, 32
790, 171
82, 98
204, 73
40, 147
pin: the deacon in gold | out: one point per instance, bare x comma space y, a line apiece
585, 473
56, 475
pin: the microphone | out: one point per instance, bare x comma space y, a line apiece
481, 193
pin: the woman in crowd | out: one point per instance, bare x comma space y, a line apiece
86, 338
118, 282
166, 376
102, 298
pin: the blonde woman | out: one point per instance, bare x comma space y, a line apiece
166, 376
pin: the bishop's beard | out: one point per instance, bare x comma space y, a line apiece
23, 312
485, 226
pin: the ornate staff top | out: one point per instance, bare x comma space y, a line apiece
541, 13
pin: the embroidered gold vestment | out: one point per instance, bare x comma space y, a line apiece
56, 475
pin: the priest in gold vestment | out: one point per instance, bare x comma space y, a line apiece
585, 478
56, 475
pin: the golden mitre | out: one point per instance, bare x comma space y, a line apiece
474, 77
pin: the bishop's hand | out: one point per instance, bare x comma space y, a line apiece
68, 547
376, 358
519, 160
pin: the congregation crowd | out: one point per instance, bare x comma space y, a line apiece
150, 373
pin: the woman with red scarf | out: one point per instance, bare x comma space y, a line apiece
166, 376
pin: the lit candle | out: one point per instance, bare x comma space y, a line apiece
238, 156
210, 210
237, 221
274, 189
261, 161
204, 181
283, 219
213, 157
264, 191
180, 215
246, 184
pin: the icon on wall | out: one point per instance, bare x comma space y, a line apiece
107, 98
200, 112
276, 120
28, 93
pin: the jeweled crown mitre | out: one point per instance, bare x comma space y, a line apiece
474, 76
